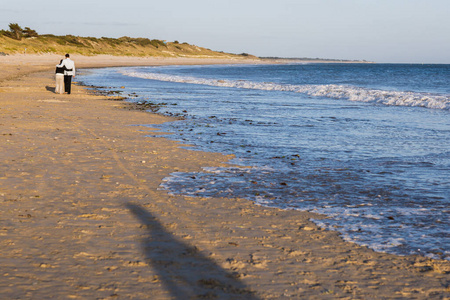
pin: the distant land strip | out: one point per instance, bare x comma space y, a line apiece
307, 59
18, 40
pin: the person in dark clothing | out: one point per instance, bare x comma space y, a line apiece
59, 76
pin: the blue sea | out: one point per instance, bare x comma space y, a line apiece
366, 145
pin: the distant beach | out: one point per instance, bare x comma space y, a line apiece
83, 215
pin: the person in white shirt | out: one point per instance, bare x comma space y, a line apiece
69, 72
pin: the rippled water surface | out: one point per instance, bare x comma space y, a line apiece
365, 144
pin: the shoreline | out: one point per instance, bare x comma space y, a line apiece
83, 216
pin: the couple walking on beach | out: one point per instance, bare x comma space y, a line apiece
64, 73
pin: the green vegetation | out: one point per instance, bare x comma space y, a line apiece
18, 40
16, 32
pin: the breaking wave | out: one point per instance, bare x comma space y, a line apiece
348, 92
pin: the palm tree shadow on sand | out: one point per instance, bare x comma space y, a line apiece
186, 273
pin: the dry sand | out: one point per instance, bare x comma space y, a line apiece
82, 216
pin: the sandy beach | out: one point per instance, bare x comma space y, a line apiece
82, 216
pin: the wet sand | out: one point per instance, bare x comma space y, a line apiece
82, 216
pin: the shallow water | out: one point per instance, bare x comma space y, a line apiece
367, 145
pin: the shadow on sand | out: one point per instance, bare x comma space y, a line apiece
51, 89
186, 273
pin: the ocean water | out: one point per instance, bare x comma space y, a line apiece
367, 145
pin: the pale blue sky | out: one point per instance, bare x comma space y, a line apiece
376, 30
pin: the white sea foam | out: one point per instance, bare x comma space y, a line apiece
352, 93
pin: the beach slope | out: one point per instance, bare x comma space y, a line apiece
82, 216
